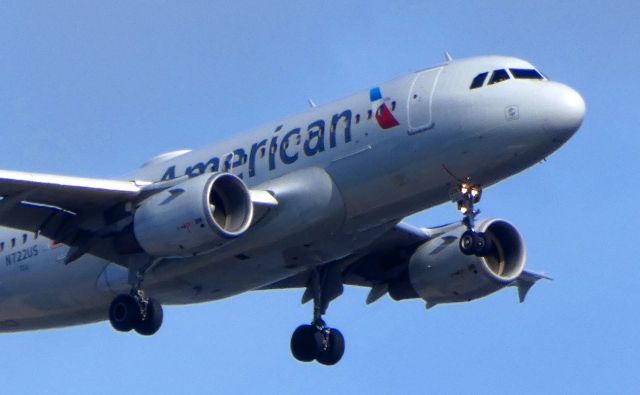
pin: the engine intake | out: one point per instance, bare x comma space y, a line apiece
229, 205
505, 261
195, 216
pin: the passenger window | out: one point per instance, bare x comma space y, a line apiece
369, 113
24, 238
393, 105
2, 246
527, 74
13, 242
478, 81
498, 76
357, 118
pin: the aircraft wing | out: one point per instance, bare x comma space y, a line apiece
44, 202
383, 260
75, 194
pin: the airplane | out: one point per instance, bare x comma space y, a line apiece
313, 202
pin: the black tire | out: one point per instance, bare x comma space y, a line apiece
483, 245
468, 242
305, 343
124, 313
153, 321
335, 349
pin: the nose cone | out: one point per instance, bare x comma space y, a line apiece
564, 110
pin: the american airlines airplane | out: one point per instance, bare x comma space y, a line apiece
314, 202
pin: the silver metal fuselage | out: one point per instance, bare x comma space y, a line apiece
445, 130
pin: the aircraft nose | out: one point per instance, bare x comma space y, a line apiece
565, 110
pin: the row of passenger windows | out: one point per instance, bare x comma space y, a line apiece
503, 75
14, 241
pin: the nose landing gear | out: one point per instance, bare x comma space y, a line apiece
471, 242
135, 310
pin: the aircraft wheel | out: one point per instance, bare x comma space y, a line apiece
152, 321
482, 245
334, 349
468, 242
124, 313
305, 343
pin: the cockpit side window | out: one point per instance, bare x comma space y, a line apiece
498, 76
478, 81
528, 74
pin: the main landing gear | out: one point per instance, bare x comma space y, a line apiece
136, 311
317, 341
471, 242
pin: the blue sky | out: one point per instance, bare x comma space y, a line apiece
94, 89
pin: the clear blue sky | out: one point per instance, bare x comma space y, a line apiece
95, 88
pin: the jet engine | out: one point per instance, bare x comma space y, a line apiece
195, 216
439, 272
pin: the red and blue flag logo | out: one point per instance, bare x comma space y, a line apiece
379, 106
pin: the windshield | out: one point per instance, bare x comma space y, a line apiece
527, 74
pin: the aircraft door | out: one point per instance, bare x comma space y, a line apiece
420, 97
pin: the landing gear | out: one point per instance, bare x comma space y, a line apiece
471, 242
318, 341
128, 312
135, 310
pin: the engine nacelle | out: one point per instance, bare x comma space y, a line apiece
195, 216
440, 273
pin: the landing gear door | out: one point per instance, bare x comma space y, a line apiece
420, 98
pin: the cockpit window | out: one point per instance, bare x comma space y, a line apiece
498, 76
528, 74
478, 81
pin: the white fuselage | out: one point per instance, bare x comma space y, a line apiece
444, 130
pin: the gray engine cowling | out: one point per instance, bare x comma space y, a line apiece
195, 216
440, 273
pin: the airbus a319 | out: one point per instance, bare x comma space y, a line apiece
314, 202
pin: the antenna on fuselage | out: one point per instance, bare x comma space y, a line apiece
447, 56
311, 103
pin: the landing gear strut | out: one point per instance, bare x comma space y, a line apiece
471, 242
135, 310
317, 340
